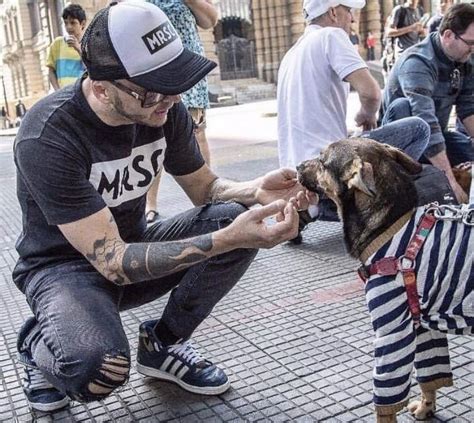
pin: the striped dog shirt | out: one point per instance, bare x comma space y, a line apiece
445, 282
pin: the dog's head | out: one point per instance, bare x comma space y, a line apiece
355, 164
369, 182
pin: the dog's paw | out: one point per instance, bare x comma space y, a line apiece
422, 410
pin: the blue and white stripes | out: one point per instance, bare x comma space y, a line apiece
445, 285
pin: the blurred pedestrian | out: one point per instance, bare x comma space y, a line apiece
404, 30
20, 111
186, 16
435, 21
64, 58
370, 46
5, 122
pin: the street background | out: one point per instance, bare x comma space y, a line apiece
294, 335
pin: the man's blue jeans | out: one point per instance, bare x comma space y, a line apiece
77, 325
459, 146
410, 135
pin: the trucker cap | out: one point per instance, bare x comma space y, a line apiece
135, 40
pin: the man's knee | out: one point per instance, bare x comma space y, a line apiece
98, 375
397, 109
421, 127
224, 212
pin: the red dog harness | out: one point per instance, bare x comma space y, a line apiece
390, 266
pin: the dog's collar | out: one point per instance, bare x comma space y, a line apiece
381, 240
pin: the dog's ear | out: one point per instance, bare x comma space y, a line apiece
410, 165
360, 175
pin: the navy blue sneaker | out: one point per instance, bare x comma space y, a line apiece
40, 394
179, 363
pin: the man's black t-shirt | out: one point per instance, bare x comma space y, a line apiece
70, 165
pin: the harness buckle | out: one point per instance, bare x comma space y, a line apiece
387, 266
406, 263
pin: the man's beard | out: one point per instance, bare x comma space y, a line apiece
117, 107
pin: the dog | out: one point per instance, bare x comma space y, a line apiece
419, 281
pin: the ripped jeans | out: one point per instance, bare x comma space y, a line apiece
76, 336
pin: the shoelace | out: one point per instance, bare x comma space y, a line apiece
187, 352
35, 380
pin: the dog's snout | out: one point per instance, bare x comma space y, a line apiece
307, 174
301, 167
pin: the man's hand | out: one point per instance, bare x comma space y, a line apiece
283, 184
416, 27
73, 42
441, 161
249, 230
461, 195
367, 121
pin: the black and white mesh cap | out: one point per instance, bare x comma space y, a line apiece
134, 40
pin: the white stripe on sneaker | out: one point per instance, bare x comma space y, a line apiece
166, 363
182, 372
175, 367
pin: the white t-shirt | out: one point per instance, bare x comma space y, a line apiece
312, 96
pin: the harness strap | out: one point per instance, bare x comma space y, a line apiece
390, 266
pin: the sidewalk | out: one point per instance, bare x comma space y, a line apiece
294, 335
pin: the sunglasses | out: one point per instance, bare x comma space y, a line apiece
469, 43
455, 81
148, 99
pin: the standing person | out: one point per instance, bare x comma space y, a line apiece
4, 117
64, 58
186, 16
85, 252
404, 30
429, 80
435, 21
370, 46
313, 86
20, 112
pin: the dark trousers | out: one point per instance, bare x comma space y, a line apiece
77, 325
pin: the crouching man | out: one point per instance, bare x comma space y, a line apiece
86, 156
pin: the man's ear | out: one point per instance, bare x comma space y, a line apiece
101, 91
360, 175
332, 14
410, 165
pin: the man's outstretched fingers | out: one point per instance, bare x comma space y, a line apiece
271, 209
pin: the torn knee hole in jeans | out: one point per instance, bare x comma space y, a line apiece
112, 374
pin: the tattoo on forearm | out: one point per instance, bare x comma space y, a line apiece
154, 260
105, 256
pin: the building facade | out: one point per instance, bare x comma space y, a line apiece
248, 42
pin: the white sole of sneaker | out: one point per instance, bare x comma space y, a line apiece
49, 407
158, 374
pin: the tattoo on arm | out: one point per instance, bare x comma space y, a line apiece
104, 257
124, 264
147, 261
